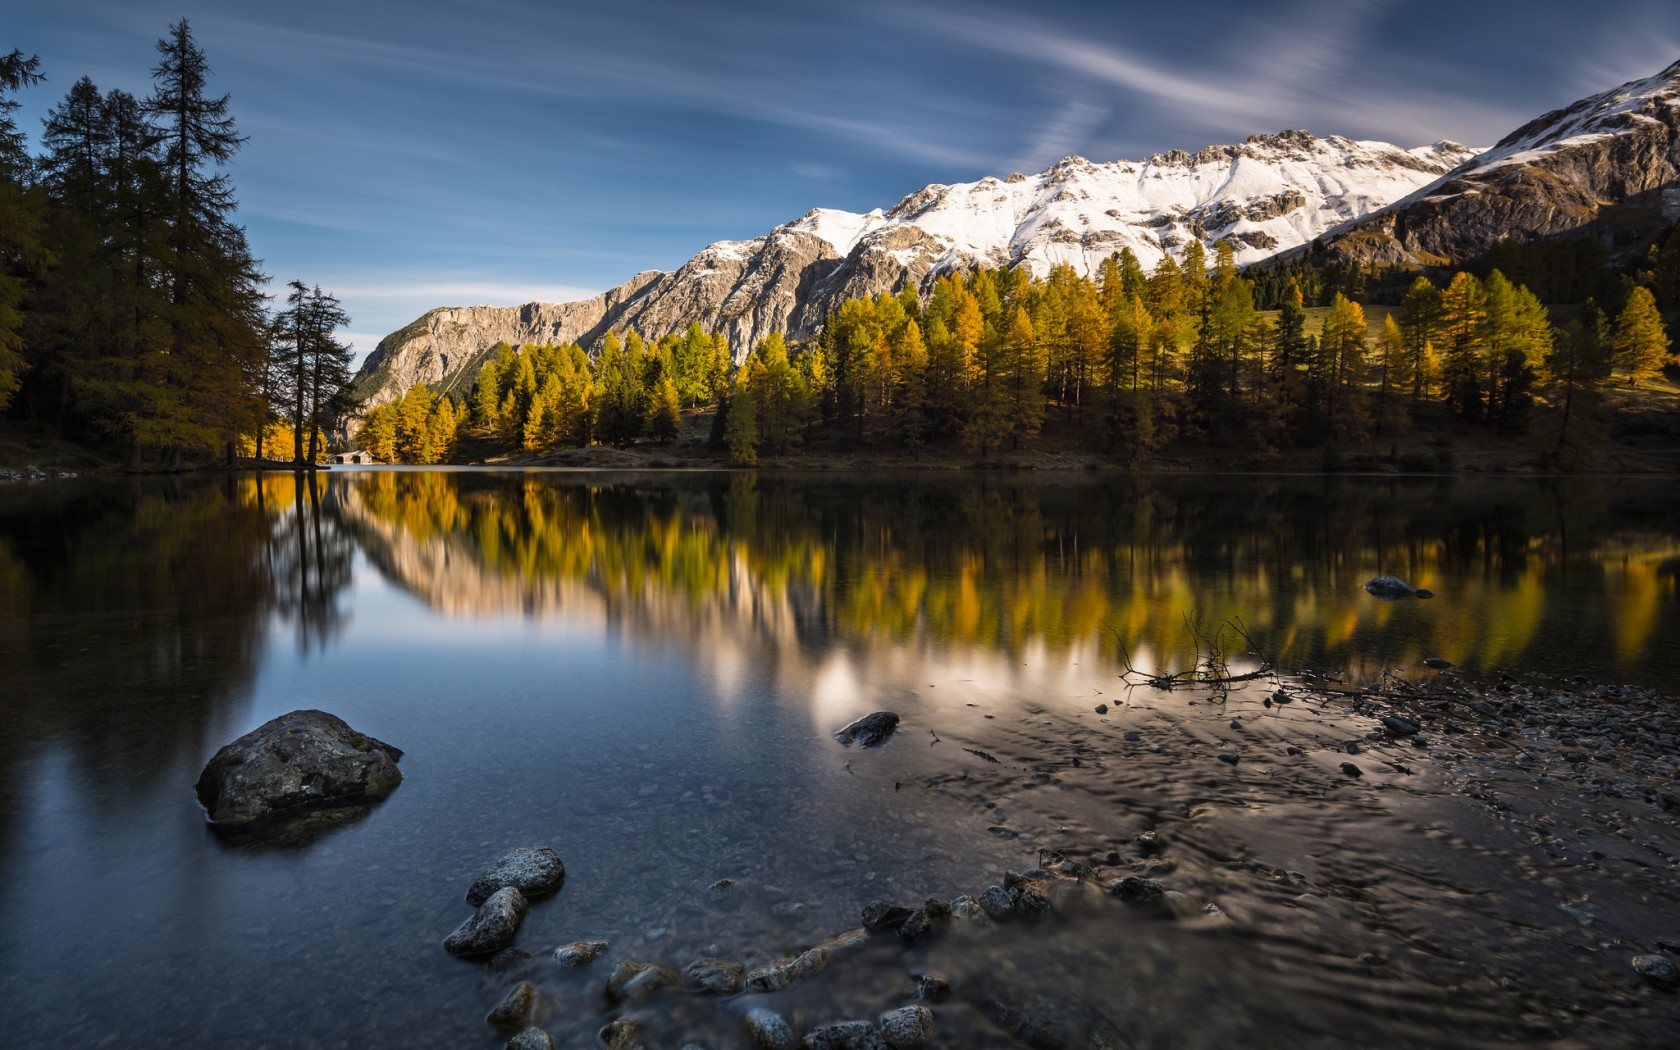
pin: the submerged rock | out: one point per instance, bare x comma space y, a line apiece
579, 953
906, 1027
779, 975
532, 871
621, 1033
716, 976
1392, 588
869, 730
1658, 969
299, 761
634, 982
932, 987
492, 926
531, 1039
768, 1030
517, 1009
879, 916
846, 1035
1436, 663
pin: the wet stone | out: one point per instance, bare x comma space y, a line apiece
906, 1027
1400, 726
532, 871
780, 974
932, 987
579, 953
878, 916
1352, 770
1151, 842
996, 902
966, 907
1657, 969
531, 1039
845, 1035
1029, 904
1134, 890
621, 1033
925, 920
634, 982
1102, 709
716, 976
492, 926
517, 1009
869, 730
768, 1030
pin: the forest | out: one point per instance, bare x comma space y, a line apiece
132, 313
1135, 361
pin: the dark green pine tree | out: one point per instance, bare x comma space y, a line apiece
20, 246
216, 347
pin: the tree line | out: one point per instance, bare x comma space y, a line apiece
1135, 359
132, 312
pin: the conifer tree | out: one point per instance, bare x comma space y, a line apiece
1463, 330
1420, 318
1641, 341
664, 411
20, 247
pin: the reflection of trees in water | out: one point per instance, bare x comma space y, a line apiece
132, 615
310, 557
1003, 562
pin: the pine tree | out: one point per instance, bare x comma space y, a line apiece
20, 247
214, 286
1641, 341
664, 411
1420, 318
1463, 343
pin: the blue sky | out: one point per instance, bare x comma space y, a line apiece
420, 154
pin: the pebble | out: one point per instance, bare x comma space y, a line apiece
579, 953
1352, 770
531, 1039
932, 987
844, 1035
517, 1009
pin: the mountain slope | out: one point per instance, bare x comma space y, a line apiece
1269, 193
1606, 167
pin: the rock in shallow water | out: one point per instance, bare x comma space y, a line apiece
301, 760
579, 953
517, 1009
716, 976
492, 926
531, 871
636, 982
1658, 969
846, 1035
779, 975
531, 1039
869, 730
768, 1030
907, 1027
1392, 588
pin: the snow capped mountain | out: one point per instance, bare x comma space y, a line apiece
1605, 167
1268, 194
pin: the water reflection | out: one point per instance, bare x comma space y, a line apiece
1564, 574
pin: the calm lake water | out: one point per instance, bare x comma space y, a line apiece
646, 670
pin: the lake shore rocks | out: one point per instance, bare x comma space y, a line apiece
579, 953
299, 761
768, 1030
533, 871
492, 927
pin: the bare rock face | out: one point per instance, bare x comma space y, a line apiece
299, 761
1606, 167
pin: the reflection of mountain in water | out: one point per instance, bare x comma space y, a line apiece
1526, 570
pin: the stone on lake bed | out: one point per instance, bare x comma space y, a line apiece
716, 976
1658, 969
636, 982
779, 975
907, 1026
531, 1039
869, 730
533, 871
845, 1035
1352, 770
492, 927
298, 761
768, 1030
1400, 726
579, 953
517, 1009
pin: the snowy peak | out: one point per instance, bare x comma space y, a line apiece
1651, 100
1606, 167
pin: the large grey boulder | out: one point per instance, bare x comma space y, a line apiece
299, 761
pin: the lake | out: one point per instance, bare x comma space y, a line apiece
645, 671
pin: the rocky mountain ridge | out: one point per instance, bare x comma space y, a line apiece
1266, 194
1606, 167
